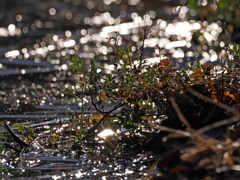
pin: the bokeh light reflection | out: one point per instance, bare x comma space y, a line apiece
87, 34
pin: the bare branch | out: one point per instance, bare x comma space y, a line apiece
176, 131
179, 113
219, 104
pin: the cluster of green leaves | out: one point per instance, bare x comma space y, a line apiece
27, 130
142, 87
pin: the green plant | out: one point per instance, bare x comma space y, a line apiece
27, 131
127, 87
141, 92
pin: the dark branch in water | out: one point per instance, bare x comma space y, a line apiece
95, 106
100, 121
21, 143
11, 147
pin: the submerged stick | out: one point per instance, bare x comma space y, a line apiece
21, 143
11, 147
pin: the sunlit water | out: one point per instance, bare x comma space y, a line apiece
40, 39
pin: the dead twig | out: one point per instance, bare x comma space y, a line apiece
217, 124
100, 121
21, 143
172, 130
180, 115
219, 104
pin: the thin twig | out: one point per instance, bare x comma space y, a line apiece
217, 124
219, 104
180, 115
142, 48
95, 106
100, 121
21, 143
172, 130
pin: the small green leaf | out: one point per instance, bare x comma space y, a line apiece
140, 103
128, 50
16, 125
148, 69
92, 88
136, 55
199, 65
79, 72
82, 64
20, 128
74, 66
125, 58
121, 51
93, 66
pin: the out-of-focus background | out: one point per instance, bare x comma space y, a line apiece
39, 37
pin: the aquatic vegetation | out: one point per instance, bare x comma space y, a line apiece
137, 99
121, 107
140, 92
133, 106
